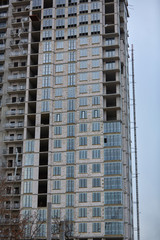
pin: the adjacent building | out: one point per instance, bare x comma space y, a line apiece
65, 114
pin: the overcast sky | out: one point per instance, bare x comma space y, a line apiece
144, 31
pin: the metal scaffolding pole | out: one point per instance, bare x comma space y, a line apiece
135, 146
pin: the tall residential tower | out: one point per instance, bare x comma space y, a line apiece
64, 114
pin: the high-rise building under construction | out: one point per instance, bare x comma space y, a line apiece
65, 114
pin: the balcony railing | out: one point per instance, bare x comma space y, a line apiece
8, 151
2, 35
18, 100
19, 53
2, 46
20, 64
13, 77
13, 138
3, 15
16, 112
20, 20
14, 125
17, 88
3, 25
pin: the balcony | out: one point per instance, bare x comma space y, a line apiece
12, 151
18, 21
13, 138
2, 46
3, 25
15, 113
18, 11
1, 58
2, 35
18, 65
1, 68
16, 77
15, 100
18, 54
14, 125
20, 88
3, 15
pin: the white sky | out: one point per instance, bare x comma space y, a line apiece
144, 31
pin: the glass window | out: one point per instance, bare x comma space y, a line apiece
69, 200
96, 197
46, 69
72, 44
70, 171
96, 153
83, 52
82, 227
45, 106
95, 100
83, 40
56, 199
47, 23
95, 51
83, 89
95, 87
60, 23
95, 17
95, 75
112, 154
71, 104
114, 228
56, 213
27, 201
58, 130
72, 11
113, 213
96, 126
83, 183
95, 114
96, 212
113, 168
83, 101
59, 68
71, 80
70, 131
110, 42
69, 214
58, 92
96, 167
83, 168
72, 32
83, 64
71, 67
96, 227
57, 157
58, 117
72, 21
71, 117
110, 65
70, 157
47, 34
46, 81
96, 140
95, 28
47, 46
57, 143
83, 19
83, 76
83, 8
83, 114
28, 173
95, 39
82, 141
28, 187
71, 92
60, 44
59, 56
56, 171
70, 144
112, 140
83, 127
82, 212
60, 12
82, 197
95, 63
83, 154
83, 30
46, 93
70, 185
58, 104
95, 6
96, 182
56, 184
112, 127
113, 198
71, 56
47, 12
112, 183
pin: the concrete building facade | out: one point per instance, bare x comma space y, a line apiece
65, 118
